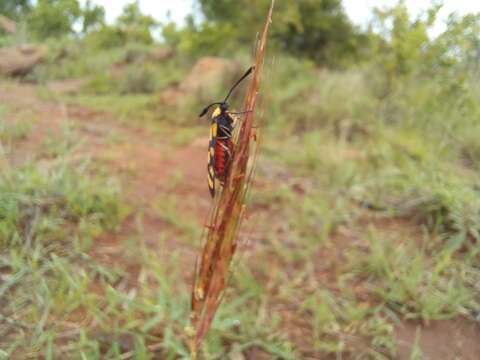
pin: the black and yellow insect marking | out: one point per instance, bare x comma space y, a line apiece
220, 144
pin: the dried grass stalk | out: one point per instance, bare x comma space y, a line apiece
220, 243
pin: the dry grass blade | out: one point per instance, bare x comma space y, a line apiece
220, 244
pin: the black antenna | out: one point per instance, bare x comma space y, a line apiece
238, 82
248, 72
204, 111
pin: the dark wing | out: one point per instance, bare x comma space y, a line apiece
211, 157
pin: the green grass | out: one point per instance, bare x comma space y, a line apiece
351, 159
318, 273
416, 283
128, 108
15, 130
50, 218
167, 208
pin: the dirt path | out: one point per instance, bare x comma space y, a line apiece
150, 169
147, 166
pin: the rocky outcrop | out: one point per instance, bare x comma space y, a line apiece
19, 61
203, 80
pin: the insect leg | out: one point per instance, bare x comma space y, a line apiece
239, 112
226, 149
226, 130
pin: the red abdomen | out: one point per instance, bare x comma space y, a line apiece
223, 148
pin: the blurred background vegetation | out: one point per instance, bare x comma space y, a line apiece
365, 242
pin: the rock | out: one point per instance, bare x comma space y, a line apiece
8, 25
19, 61
203, 81
208, 71
161, 54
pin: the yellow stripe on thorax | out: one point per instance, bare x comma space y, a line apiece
216, 112
213, 130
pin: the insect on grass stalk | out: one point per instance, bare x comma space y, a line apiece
221, 237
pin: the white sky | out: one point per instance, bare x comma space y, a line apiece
157, 8
358, 10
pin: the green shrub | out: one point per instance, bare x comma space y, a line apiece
137, 79
107, 37
101, 84
302, 98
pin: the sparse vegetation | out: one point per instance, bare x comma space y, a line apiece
361, 223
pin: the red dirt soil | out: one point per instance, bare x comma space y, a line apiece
146, 166
445, 339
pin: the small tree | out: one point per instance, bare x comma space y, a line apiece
93, 16
136, 25
403, 41
460, 43
54, 17
14, 9
318, 29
